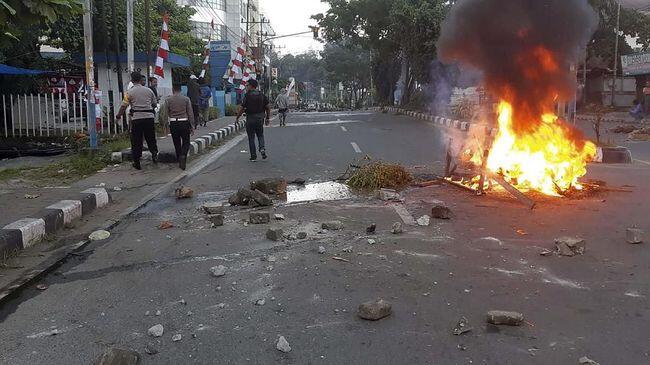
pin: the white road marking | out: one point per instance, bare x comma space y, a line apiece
645, 162
302, 124
356, 147
344, 129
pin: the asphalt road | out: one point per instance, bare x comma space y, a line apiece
486, 257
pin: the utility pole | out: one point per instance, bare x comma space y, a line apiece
147, 30
618, 23
107, 42
129, 36
90, 71
116, 50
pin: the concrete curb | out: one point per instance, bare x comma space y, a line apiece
27, 231
198, 145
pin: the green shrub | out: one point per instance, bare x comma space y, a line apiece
213, 112
231, 110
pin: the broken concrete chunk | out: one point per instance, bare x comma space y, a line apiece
371, 241
183, 192
259, 217
218, 271
260, 302
216, 220
388, 194
241, 197
177, 337
213, 208
321, 250
569, 246
278, 217
397, 228
634, 235
375, 310
462, 327
371, 228
424, 220
507, 318
301, 235
332, 225
270, 186
156, 331
587, 361
283, 345
274, 234
117, 356
150, 349
440, 211
259, 198
165, 225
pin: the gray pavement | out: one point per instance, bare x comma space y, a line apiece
486, 257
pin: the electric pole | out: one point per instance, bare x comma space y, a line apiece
116, 50
147, 30
129, 36
107, 42
618, 23
90, 71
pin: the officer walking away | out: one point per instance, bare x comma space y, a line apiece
282, 102
142, 102
204, 102
194, 93
181, 122
256, 105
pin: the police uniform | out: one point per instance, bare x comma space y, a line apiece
143, 103
181, 119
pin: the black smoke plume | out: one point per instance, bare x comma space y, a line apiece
524, 49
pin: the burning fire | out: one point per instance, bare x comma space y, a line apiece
549, 157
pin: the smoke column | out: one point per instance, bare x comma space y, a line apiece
524, 49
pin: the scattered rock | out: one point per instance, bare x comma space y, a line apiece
278, 217
218, 271
462, 327
99, 235
440, 211
273, 186
166, 225
216, 220
250, 197
283, 345
177, 337
42, 286
371, 241
347, 249
383, 257
374, 310
183, 192
587, 361
213, 208
117, 188
31, 196
260, 302
321, 250
221, 305
507, 318
158, 313
260, 199
156, 331
301, 235
332, 225
371, 228
115, 356
546, 252
634, 235
259, 217
298, 181
388, 194
274, 234
424, 220
569, 246
150, 349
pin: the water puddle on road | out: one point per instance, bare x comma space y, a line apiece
318, 192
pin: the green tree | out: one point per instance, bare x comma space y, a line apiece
349, 65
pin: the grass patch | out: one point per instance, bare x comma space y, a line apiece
6, 174
377, 174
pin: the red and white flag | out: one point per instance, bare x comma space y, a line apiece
163, 50
206, 59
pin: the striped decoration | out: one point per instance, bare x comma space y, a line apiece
163, 50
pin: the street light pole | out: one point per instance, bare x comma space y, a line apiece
618, 23
129, 35
90, 72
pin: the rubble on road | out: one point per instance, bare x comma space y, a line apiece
259, 217
150, 349
570, 246
634, 235
397, 228
498, 317
332, 225
177, 337
116, 356
301, 235
424, 221
587, 361
321, 250
99, 235
165, 225
42, 286
260, 302
274, 186
213, 208
462, 327
274, 234
278, 217
218, 271
371, 241
156, 331
283, 345
183, 192
388, 195
216, 220
440, 211
375, 310
251, 198
371, 228
298, 181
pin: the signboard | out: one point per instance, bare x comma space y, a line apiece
216, 46
636, 64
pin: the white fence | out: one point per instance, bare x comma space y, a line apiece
49, 114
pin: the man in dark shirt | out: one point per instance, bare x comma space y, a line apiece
194, 93
256, 105
181, 120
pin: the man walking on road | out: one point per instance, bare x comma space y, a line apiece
282, 102
181, 122
256, 105
143, 104
194, 93
204, 102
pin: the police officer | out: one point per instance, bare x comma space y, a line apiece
181, 122
256, 105
143, 104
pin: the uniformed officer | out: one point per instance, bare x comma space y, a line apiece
181, 123
143, 104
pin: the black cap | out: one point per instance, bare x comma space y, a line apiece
253, 83
136, 76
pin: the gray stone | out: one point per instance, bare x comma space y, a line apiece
115, 356
283, 345
177, 337
274, 234
508, 318
156, 331
375, 310
260, 199
183, 192
634, 235
397, 228
587, 361
270, 186
424, 221
371, 228
218, 271
301, 235
388, 194
440, 211
216, 220
260, 302
321, 250
278, 217
259, 217
116, 157
569, 246
462, 327
241, 197
332, 225
150, 349
213, 208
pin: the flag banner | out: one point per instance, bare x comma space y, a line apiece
163, 49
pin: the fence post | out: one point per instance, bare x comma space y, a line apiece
74, 110
60, 114
13, 120
81, 111
26, 117
20, 122
4, 111
31, 96
40, 116
47, 116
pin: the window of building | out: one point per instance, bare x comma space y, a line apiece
214, 4
203, 30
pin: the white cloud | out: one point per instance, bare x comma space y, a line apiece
293, 16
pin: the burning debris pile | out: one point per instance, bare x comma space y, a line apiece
524, 50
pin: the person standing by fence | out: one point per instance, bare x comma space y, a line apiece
181, 123
143, 103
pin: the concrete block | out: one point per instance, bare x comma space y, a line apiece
71, 210
194, 150
32, 230
201, 144
208, 139
616, 155
53, 219
10, 239
457, 124
215, 137
116, 157
102, 198
464, 126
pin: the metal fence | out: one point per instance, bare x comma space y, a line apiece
50, 114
